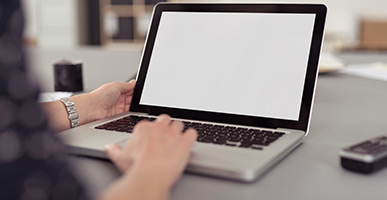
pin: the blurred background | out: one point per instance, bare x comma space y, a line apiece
351, 24
109, 34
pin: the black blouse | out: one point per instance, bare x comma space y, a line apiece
32, 160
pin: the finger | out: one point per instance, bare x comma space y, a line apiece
190, 136
177, 126
114, 153
163, 119
133, 85
126, 87
141, 127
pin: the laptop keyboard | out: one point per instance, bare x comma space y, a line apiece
207, 133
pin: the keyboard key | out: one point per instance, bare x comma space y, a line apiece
111, 128
278, 134
207, 139
257, 148
221, 134
219, 141
245, 144
246, 137
101, 127
229, 143
203, 139
259, 142
269, 132
234, 139
210, 137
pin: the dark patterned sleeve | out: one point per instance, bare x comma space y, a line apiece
32, 162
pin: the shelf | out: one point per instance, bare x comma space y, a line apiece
125, 21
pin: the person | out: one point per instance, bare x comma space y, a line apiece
156, 154
33, 164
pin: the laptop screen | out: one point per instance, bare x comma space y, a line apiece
251, 64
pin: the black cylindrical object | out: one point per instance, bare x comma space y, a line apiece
68, 76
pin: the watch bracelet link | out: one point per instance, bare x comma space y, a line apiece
72, 111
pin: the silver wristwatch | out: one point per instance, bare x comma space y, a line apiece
73, 114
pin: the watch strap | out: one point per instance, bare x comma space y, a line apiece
72, 111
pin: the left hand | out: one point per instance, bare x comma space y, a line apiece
111, 99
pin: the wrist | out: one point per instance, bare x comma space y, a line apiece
72, 111
85, 108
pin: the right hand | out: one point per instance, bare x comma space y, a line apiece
159, 146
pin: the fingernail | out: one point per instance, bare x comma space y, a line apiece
107, 146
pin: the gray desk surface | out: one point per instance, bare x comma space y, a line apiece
99, 65
347, 109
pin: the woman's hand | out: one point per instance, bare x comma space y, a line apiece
154, 158
111, 99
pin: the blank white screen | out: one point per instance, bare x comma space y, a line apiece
239, 63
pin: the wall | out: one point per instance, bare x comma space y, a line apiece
343, 15
53, 23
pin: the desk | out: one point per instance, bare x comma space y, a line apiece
347, 109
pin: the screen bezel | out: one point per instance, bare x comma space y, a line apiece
310, 79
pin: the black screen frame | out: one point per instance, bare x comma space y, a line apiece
302, 123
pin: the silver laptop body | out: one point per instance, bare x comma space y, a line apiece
248, 66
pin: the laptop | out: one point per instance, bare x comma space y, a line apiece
242, 75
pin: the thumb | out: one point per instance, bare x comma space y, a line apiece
114, 153
127, 87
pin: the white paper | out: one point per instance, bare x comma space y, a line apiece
330, 63
53, 96
376, 71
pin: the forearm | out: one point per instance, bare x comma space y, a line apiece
58, 116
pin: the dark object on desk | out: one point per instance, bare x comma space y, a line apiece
68, 76
365, 157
